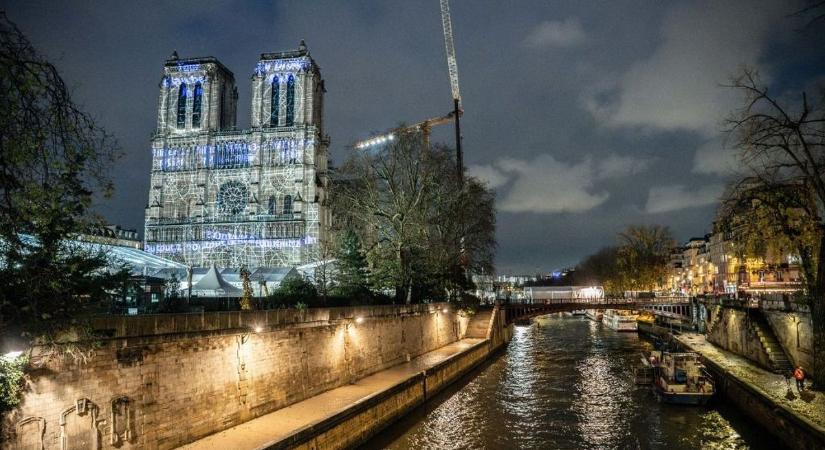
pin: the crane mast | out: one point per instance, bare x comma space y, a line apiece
452, 68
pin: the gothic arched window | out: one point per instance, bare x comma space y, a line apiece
182, 106
275, 102
272, 209
288, 204
290, 101
196, 105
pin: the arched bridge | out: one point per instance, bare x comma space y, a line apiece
673, 307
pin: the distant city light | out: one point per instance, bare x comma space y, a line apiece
258, 329
445, 310
359, 319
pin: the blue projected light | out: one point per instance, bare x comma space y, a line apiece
182, 247
230, 154
282, 65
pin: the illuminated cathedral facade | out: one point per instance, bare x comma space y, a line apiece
229, 197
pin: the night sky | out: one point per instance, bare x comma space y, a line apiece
584, 116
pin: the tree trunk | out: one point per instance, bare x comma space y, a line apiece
818, 316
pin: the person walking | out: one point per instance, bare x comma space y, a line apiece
799, 375
788, 374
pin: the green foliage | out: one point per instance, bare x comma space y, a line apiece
295, 290
53, 161
12, 382
353, 271
769, 221
639, 262
172, 301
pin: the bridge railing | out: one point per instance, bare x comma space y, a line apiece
596, 302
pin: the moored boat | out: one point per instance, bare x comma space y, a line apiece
620, 320
594, 314
681, 378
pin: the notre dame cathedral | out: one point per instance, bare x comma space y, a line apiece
232, 197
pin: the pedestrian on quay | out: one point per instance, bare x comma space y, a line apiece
788, 374
799, 375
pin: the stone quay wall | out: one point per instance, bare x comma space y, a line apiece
165, 380
733, 332
793, 430
357, 423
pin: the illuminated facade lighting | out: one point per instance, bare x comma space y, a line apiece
234, 198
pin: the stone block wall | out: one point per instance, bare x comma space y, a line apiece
794, 331
732, 331
162, 390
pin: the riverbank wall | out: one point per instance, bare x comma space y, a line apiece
165, 380
734, 328
790, 427
355, 424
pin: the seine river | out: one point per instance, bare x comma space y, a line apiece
567, 383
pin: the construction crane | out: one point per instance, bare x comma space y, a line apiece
453, 116
452, 68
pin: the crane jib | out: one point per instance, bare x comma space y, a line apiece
452, 66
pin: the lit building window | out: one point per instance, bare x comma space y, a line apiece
290, 101
196, 105
272, 209
288, 204
182, 106
274, 104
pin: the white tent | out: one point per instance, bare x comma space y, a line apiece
213, 285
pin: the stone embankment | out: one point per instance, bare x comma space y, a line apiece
350, 415
797, 419
163, 381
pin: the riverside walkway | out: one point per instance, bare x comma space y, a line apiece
808, 406
271, 428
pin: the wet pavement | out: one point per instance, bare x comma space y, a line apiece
808, 404
272, 427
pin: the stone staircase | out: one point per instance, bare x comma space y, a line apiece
479, 324
780, 363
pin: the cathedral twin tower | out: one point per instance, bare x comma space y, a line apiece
233, 198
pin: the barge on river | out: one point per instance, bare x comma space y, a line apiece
678, 378
620, 320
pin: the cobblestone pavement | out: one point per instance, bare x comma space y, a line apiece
808, 404
257, 433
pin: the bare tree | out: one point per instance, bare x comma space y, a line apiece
782, 143
422, 229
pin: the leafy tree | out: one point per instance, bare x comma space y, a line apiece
294, 290
353, 271
782, 143
601, 268
172, 301
644, 253
639, 262
53, 161
764, 220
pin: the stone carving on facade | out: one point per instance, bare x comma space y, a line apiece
30, 432
121, 421
79, 426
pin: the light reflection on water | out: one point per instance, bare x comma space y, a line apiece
566, 384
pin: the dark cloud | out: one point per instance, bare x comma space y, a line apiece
586, 117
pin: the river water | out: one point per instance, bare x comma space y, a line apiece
567, 383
